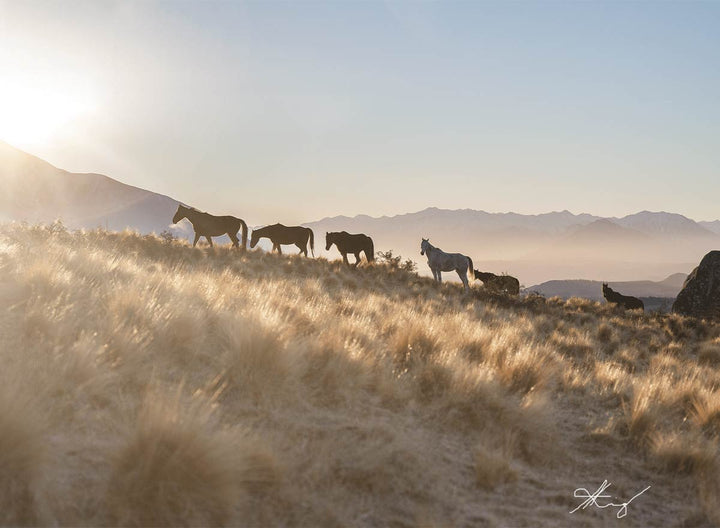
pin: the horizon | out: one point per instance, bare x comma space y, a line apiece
391, 215
284, 111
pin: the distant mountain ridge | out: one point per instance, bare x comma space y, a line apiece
556, 221
672, 224
33, 190
713, 226
537, 248
648, 222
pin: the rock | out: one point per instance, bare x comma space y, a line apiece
700, 295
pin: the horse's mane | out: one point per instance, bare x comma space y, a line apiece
192, 208
258, 228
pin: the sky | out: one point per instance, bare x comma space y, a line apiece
293, 111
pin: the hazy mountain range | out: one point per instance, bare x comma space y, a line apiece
538, 248
535, 248
33, 190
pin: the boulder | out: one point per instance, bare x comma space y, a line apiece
700, 295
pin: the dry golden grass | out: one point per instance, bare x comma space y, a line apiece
148, 383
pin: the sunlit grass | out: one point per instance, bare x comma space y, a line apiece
149, 383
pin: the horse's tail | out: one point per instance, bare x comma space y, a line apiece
471, 272
312, 241
244, 228
370, 250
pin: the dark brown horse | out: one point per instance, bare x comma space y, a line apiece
209, 226
500, 283
628, 302
280, 234
347, 243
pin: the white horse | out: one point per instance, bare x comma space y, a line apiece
440, 261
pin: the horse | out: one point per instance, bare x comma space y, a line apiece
440, 261
209, 226
280, 234
502, 283
347, 243
628, 302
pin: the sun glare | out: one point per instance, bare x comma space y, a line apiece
31, 115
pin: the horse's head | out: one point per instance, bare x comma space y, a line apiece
606, 288
179, 214
484, 276
329, 240
424, 245
254, 239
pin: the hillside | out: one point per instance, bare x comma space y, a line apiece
33, 190
148, 383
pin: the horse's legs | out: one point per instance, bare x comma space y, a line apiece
345, 259
277, 246
302, 249
439, 273
357, 259
209, 239
464, 279
234, 238
197, 237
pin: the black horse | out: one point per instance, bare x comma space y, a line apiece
209, 226
280, 234
628, 302
347, 243
502, 283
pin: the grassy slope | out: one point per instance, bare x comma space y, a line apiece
147, 383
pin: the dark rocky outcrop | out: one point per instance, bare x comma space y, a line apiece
700, 295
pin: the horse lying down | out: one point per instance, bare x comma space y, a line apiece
500, 283
626, 301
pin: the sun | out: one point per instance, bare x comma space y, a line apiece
33, 113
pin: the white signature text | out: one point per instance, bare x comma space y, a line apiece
593, 499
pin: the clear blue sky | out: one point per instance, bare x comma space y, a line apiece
291, 111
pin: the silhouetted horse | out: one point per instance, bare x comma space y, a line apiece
347, 243
440, 261
280, 234
630, 303
209, 226
502, 283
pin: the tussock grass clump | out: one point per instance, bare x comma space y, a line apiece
493, 462
527, 369
604, 333
172, 469
181, 386
684, 453
709, 353
705, 413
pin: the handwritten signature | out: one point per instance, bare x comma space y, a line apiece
591, 499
